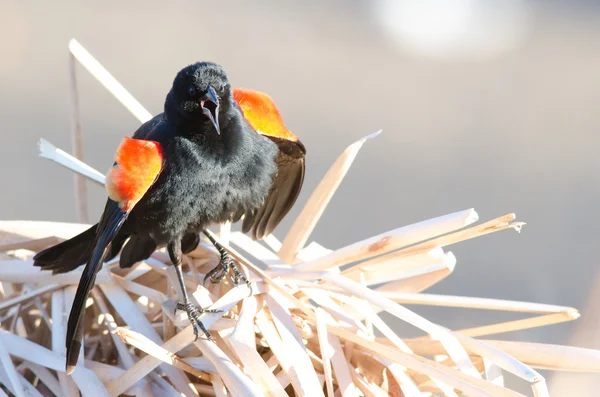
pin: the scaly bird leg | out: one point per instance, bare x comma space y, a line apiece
217, 274
192, 311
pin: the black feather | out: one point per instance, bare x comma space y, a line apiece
284, 190
110, 223
189, 242
138, 248
68, 255
116, 245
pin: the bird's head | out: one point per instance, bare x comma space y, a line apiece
200, 91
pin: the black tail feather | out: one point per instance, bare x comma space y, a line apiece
69, 254
111, 222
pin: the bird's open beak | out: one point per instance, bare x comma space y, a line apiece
210, 107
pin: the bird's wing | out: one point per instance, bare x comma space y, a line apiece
72, 253
262, 114
138, 164
147, 127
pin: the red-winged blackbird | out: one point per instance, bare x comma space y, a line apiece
215, 154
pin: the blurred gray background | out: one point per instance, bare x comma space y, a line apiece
491, 105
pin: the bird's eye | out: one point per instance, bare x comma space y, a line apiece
192, 91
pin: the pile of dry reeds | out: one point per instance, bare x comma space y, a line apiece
306, 326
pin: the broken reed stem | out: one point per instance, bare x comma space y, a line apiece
308, 218
77, 143
139, 341
473, 303
108, 81
532, 322
390, 241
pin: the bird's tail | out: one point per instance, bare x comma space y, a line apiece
111, 222
69, 254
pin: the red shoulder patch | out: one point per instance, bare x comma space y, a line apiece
262, 114
139, 163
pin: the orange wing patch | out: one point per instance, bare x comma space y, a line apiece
262, 114
138, 164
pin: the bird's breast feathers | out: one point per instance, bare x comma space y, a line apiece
138, 164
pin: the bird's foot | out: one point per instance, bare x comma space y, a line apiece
194, 313
217, 274
238, 276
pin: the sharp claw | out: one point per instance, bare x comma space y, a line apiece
210, 274
215, 275
208, 336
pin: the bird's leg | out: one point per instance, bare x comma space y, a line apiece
217, 274
192, 311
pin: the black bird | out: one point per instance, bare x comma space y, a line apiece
215, 154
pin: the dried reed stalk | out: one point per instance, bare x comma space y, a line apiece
305, 327
77, 142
